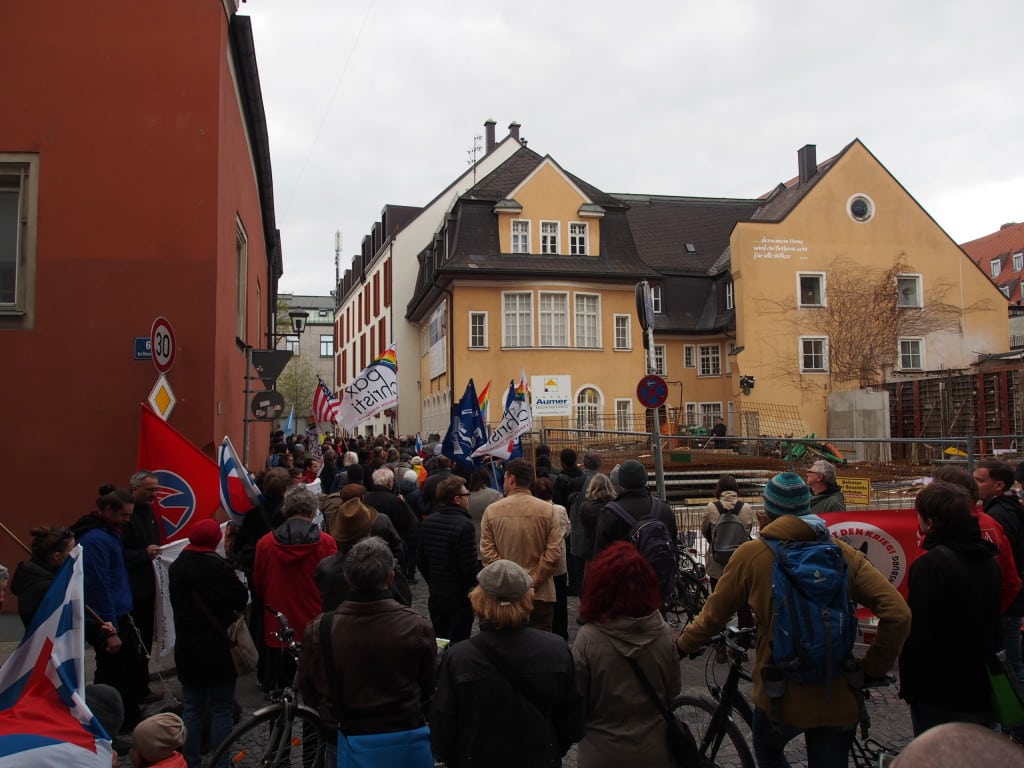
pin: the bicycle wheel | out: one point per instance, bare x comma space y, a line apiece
687, 601
727, 749
267, 740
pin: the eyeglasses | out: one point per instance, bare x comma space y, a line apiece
463, 494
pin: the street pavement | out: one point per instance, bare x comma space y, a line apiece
889, 715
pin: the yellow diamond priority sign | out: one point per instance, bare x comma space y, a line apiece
162, 398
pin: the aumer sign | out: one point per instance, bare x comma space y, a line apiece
552, 395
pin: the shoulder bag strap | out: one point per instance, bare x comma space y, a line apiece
623, 514
505, 670
204, 608
651, 692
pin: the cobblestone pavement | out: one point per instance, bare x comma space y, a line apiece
889, 715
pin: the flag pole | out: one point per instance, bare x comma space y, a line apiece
10, 533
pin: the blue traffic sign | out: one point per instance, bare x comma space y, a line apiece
143, 348
652, 391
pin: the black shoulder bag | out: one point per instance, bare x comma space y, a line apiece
681, 744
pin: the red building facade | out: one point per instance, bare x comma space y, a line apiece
134, 183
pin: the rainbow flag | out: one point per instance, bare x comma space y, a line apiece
521, 387
389, 357
484, 399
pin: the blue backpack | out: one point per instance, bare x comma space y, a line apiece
653, 540
814, 625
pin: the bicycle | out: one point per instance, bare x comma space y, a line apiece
695, 710
691, 589
284, 733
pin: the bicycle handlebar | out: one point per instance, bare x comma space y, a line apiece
286, 634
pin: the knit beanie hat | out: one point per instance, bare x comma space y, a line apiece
158, 737
204, 535
106, 705
632, 474
786, 494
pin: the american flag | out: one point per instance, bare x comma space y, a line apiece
325, 404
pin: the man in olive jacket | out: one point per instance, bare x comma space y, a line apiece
827, 715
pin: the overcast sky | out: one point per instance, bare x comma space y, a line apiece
372, 102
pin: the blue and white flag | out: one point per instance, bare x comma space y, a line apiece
44, 720
504, 441
419, 444
289, 426
466, 431
238, 490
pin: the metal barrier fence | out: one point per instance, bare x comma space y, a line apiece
874, 473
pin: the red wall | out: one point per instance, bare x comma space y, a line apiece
144, 165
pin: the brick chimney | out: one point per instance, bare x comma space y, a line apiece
513, 130
807, 161
489, 135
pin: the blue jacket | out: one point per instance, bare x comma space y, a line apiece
107, 590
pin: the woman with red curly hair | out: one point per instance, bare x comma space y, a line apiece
619, 608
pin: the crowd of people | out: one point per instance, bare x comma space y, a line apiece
501, 548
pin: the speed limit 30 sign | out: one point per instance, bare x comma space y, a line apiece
161, 341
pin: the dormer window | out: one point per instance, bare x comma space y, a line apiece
995, 267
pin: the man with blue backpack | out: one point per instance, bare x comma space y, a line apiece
802, 585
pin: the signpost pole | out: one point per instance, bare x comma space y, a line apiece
245, 415
659, 462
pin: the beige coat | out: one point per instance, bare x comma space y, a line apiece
748, 579
522, 528
623, 726
728, 500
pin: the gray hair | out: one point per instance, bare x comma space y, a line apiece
140, 476
369, 565
349, 458
299, 501
600, 487
383, 477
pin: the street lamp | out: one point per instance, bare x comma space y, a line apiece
298, 318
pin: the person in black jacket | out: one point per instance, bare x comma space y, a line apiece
141, 546
507, 697
995, 479
206, 595
448, 561
382, 497
943, 672
32, 578
638, 502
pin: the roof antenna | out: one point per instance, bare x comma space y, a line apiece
472, 152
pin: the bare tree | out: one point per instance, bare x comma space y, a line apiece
296, 384
863, 319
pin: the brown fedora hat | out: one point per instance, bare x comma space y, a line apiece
352, 520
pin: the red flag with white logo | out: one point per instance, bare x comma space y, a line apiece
189, 480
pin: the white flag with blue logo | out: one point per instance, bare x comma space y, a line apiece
44, 721
238, 490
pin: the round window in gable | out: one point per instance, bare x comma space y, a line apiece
860, 207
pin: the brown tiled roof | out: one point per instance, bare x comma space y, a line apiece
785, 197
1001, 244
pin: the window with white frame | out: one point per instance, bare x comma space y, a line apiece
689, 356
19, 182
814, 354
730, 350
588, 406
911, 354
520, 236
291, 343
691, 414
623, 332
326, 345
549, 237
1018, 261
710, 356
588, 326
656, 298
1005, 290
624, 415
478, 330
577, 238
908, 290
995, 266
553, 311
659, 360
729, 299
811, 289
517, 320
708, 413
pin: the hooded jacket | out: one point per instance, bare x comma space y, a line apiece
943, 660
29, 584
107, 590
1006, 510
622, 725
282, 576
448, 555
748, 580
